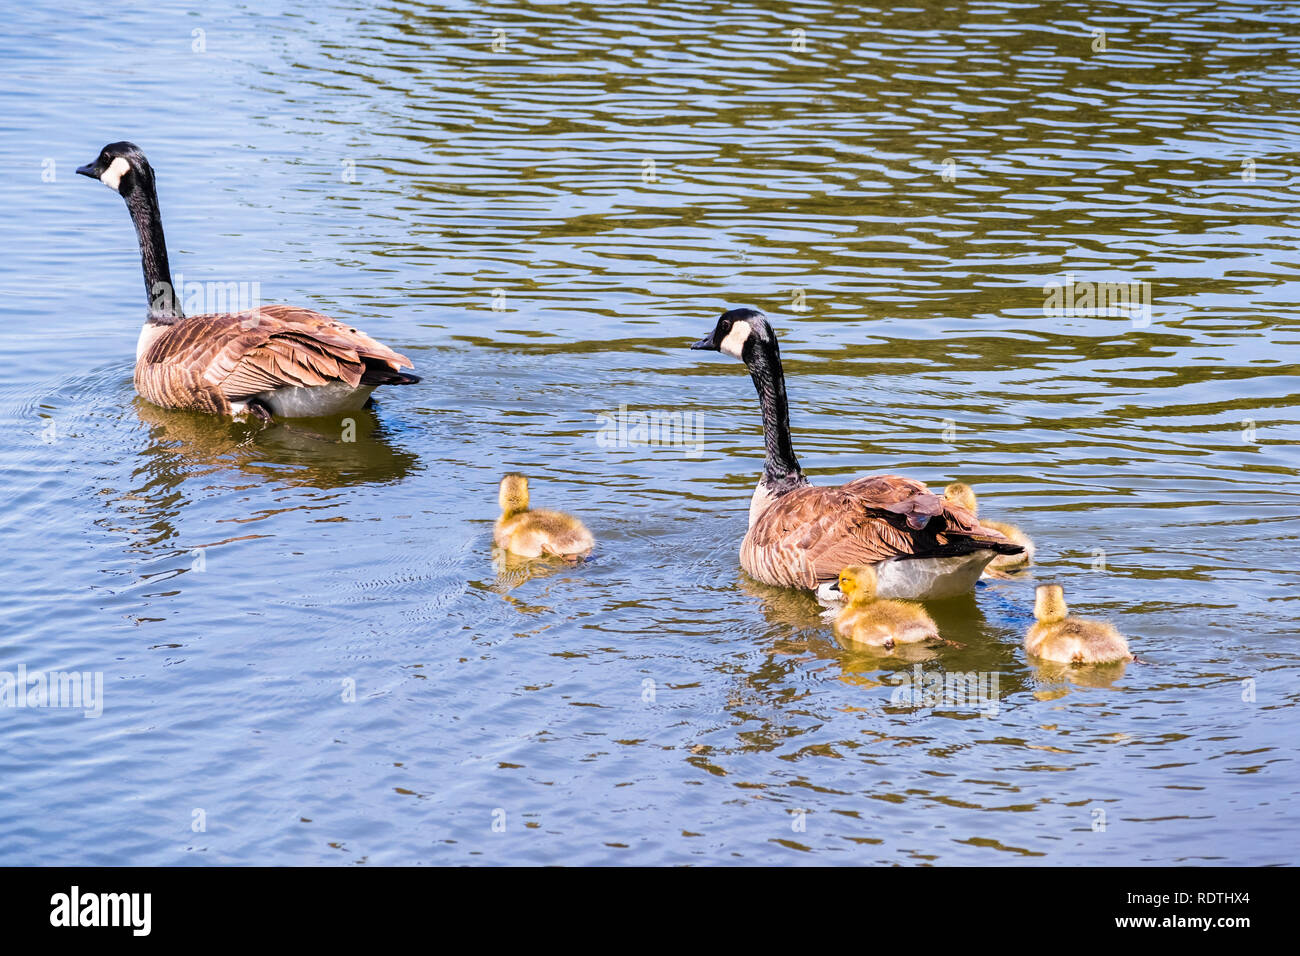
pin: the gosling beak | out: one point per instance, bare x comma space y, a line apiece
829, 594
88, 170
705, 344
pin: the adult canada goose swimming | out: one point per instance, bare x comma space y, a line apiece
531, 534
271, 360
866, 620
1071, 640
801, 535
1004, 565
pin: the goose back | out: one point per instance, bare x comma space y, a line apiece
807, 535
213, 362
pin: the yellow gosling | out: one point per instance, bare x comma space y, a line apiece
1071, 640
962, 495
866, 620
531, 534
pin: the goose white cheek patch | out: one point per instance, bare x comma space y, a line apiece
735, 340
112, 177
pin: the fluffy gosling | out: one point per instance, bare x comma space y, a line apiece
962, 495
866, 620
531, 534
1071, 640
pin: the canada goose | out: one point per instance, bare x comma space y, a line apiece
801, 535
865, 619
271, 360
531, 534
1071, 640
1004, 565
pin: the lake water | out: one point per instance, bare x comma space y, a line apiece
308, 655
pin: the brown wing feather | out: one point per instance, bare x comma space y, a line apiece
206, 362
810, 534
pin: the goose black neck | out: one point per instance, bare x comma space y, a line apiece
781, 467
142, 203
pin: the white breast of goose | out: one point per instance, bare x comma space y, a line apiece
931, 578
315, 401
919, 579
763, 497
148, 332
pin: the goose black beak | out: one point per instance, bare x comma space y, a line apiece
88, 170
706, 344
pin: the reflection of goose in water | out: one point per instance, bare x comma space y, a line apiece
800, 628
798, 625
1053, 678
317, 453
187, 461
787, 610
513, 570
